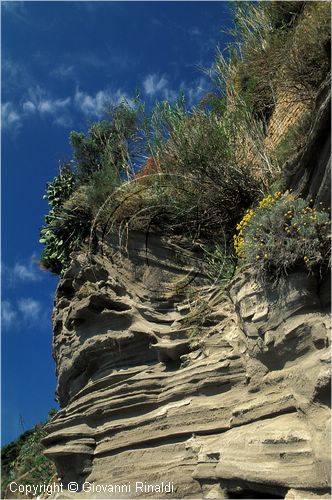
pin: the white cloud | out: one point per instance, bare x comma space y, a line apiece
42, 103
53, 106
30, 308
26, 273
21, 272
64, 121
63, 72
159, 87
29, 107
154, 85
10, 118
38, 101
8, 314
15, 76
96, 104
26, 312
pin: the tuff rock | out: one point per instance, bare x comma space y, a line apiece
238, 408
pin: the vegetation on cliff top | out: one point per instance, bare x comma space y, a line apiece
203, 167
23, 461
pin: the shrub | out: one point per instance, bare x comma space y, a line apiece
282, 234
99, 189
201, 181
102, 161
68, 225
283, 48
107, 143
23, 460
305, 56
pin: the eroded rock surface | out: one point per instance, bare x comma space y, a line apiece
239, 410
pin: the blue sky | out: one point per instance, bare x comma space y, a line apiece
61, 63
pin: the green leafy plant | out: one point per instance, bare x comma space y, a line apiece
23, 460
108, 143
58, 192
283, 234
68, 225
102, 161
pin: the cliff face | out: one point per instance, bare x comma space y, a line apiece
245, 410
237, 407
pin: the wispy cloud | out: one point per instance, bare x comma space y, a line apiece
160, 87
15, 77
21, 272
64, 121
26, 273
154, 84
36, 102
30, 308
96, 104
8, 314
10, 118
63, 72
39, 102
26, 311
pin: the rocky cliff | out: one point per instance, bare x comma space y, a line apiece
162, 397
243, 408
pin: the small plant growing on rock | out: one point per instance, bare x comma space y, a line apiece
220, 264
283, 234
23, 460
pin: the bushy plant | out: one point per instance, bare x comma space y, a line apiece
306, 54
107, 143
68, 225
58, 192
282, 234
202, 181
212, 161
80, 196
23, 460
288, 52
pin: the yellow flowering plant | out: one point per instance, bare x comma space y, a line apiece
282, 234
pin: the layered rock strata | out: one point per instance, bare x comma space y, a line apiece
226, 399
